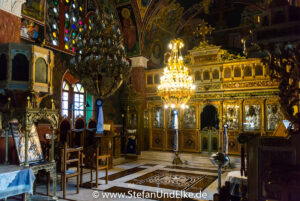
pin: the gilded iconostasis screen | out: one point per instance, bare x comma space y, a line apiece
273, 116
252, 117
158, 117
232, 116
34, 145
190, 117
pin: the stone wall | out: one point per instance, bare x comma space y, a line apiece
10, 27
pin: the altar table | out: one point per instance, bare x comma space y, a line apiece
236, 181
15, 180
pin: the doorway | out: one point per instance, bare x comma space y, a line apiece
209, 129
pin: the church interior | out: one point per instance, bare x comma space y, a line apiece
150, 100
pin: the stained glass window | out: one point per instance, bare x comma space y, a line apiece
74, 22
53, 22
67, 27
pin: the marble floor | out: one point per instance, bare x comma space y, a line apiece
146, 180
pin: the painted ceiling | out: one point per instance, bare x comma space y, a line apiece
149, 25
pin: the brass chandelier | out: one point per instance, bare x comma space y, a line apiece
176, 86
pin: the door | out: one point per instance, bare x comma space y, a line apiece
209, 129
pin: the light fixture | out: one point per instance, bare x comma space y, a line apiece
176, 86
100, 61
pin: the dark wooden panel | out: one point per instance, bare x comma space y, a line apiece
157, 141
233, 145
189, 142
117, 146
170, 139
189, 139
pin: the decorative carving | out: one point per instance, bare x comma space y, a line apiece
209, 87
262, 83
202, 30
226, 56
35, 115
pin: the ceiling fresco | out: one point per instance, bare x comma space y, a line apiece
143, 5
149, 25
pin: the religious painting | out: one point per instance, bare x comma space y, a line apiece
232, 117
190, 117
34, 145
157, 52
160, 32
158, 117
34, 9
143, 5
171, 119
273, 116
130, 30
32, 30
252, 117
132, 120
146, 119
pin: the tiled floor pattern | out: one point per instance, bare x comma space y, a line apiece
142, 176
174, 180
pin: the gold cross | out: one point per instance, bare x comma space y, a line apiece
203, 29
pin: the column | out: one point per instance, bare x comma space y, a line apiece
139, 65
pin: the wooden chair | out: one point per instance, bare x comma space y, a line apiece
64, 130
98, 167
67, 173
79, 129
90, 132
92, 160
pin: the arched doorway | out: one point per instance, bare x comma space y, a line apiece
209, 129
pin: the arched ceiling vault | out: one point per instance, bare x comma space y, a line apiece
149, 25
